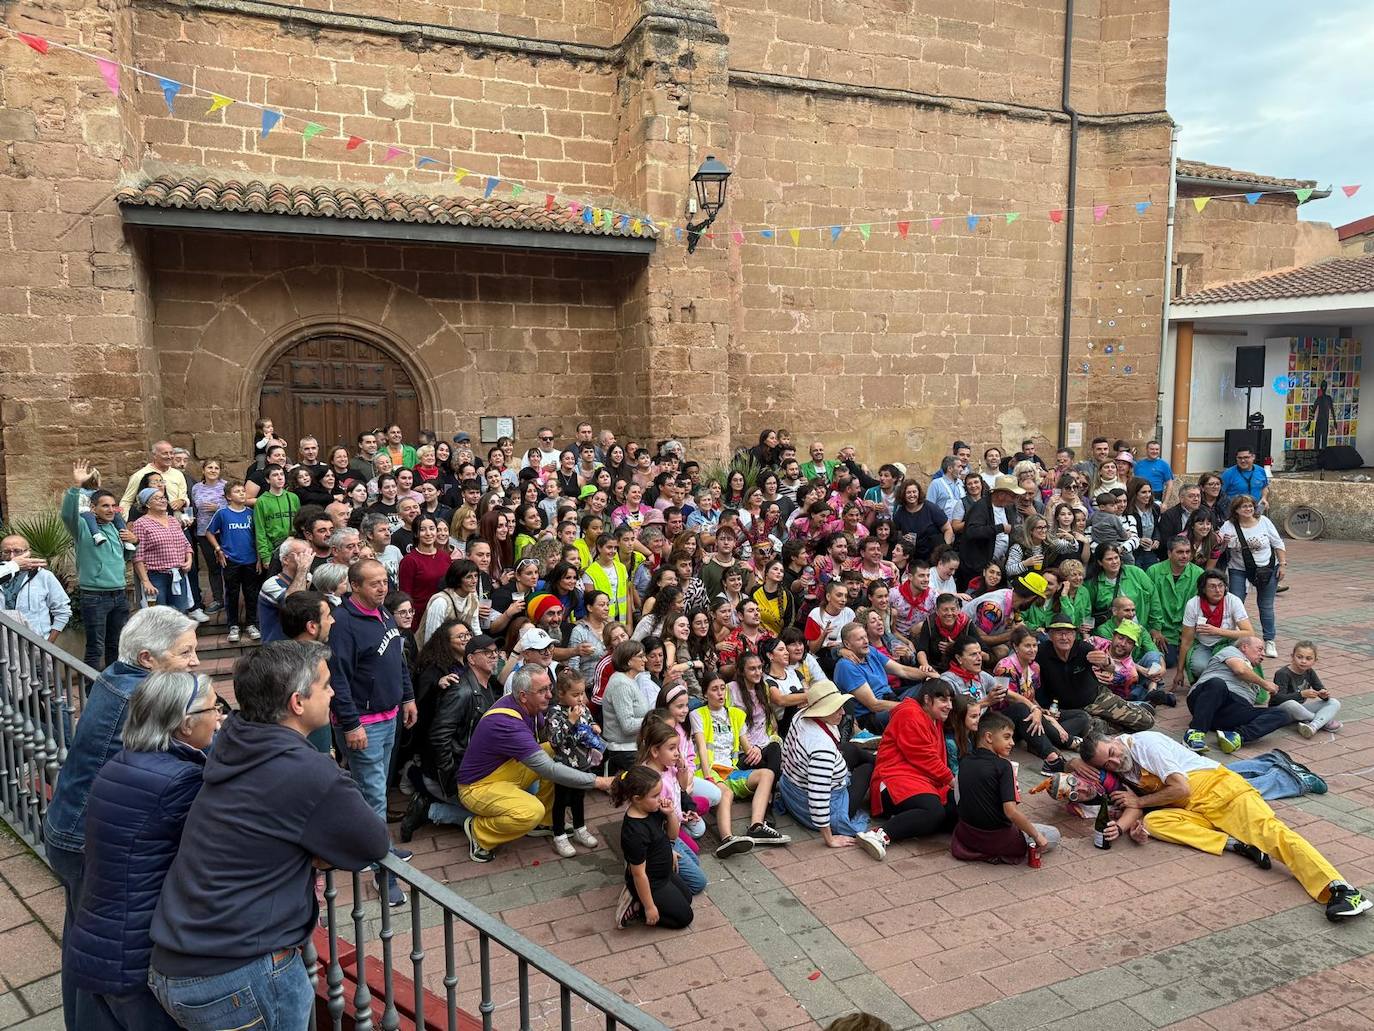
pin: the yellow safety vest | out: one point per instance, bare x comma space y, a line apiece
620, 598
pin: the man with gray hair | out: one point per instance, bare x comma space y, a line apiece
947, 490
295, 556
344, 545
504, 758
1225, 699
237, 903
154, 639
173, 479
376, 534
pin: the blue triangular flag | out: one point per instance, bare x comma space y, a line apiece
1253, 198
677, 232
835, 232
767, 234
973, 223
1141, 205
491, 186
423, 161
170, 88
269, 121
587, 215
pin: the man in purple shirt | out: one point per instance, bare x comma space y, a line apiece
503, 758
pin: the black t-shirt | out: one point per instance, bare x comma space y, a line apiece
985, 785
927, 523
316, 470
1070, 682
645, 840
383, 509
259, 476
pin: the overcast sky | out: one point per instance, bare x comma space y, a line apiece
1278, 88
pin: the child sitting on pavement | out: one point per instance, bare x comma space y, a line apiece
991, 825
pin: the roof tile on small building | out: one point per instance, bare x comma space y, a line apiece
1220, 173
1335, 276
356, 202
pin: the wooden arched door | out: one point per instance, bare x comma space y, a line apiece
335, 386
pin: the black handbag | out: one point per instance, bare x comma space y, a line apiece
1257, 576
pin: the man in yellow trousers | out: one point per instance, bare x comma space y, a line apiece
1193, 801
504, 759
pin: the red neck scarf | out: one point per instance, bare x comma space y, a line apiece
1213, 613
950, 633
963, 674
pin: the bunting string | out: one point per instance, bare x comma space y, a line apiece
270, 118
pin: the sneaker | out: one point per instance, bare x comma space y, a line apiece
1253, 853
627, 909
874, 842
733, 845
1161, 697
417, 815
233, 635
1280, 588
476, 852
1307, 730
1346, 902
764, 834
403, 854
864, 737
585, 838
254, 633
1333, 725
1271, 650
213, 607
395, 897
1052, 766
198, 615
1196, 740
1228, 741
563, 846
544, 830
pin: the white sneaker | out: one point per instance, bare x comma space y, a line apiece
233, 635
585, 838
198, 616
563, 846
1307, 730
1271, 651
874, 842
254, 633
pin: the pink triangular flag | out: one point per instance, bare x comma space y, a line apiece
936, 223
1350, 191
392, 152
1057, 215
1099, 212
737, 235
109, 71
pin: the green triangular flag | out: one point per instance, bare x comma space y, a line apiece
865, 231
516, 189
1303, 195
311, 130
1012, 216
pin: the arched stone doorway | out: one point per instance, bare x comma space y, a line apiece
334, 385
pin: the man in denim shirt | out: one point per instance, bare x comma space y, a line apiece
154, 639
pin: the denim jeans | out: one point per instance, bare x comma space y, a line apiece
163, 582
368, 766
137, 1012
69, 867
103, 613
689, 867
272, 992
1266, 597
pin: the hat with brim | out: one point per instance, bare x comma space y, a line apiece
1126, 456
532, 638
587, 491
1129, 629
822, 699
1062, 624
1008, 484
1036, 584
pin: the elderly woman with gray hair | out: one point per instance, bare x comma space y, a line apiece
134, 819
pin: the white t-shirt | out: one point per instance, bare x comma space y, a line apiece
1262, 537
1161, 755
820, 624
1232, 613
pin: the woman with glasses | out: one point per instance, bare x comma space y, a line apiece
134, 819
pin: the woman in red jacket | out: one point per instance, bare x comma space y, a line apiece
911, 779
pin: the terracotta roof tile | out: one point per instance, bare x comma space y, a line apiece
356, 202
1202, 170
1336, 276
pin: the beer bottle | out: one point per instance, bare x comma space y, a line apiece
1100, 827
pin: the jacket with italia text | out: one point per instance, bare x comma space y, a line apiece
368, 668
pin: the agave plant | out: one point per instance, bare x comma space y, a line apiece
743, 462
48, 539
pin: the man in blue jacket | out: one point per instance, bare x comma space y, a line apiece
154, 639
238, 902
371, 687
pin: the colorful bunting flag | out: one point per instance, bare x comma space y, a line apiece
1141, 206
1303, 195
865, 230
490, 188
972, 221
1350, 191
459, 174
170, 88
392, 152
1057, 215
548, 202
636, 227
269, 121
354, 142
311, 130
425, 160
737, 235
1012, 216
587, 215
767, 234
218, 103
1200, 203
1099, 212
903, 228
575, 207
677, 231
109, 71
796, 236
516, 189
35, 42
835, 232
1253, 198
936, 223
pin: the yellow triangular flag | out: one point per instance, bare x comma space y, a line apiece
796, 236
218, 103
636, 226
1200, 203
459, 174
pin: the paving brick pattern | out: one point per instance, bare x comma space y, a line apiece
1134, 939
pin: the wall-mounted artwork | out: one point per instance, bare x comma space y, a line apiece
1323, 393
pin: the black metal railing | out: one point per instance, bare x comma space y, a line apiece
42, 689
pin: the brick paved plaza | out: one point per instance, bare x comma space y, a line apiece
1136, 938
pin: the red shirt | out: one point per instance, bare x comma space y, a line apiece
911, 758
422, 576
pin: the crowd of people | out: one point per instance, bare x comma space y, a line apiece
498, 634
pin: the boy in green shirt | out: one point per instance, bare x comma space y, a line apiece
272, 515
